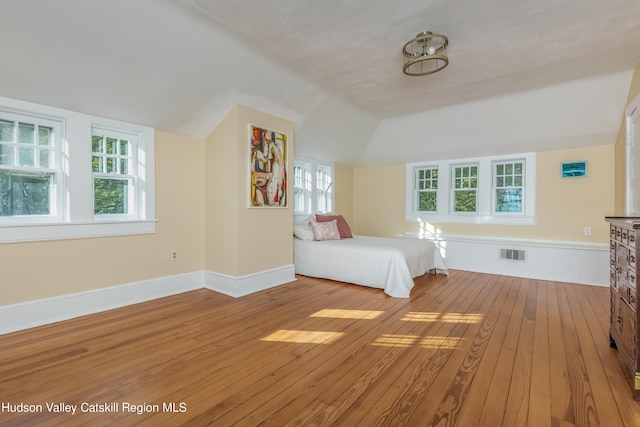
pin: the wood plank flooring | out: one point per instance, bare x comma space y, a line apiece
466, 349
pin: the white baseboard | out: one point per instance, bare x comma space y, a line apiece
245, 285
30, 314
16, 317
560, 261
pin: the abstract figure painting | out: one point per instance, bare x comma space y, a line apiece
268, 167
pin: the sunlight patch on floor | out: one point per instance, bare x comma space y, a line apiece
391, 340
432, 342
445, 343
442, 317
336, 313
304, 337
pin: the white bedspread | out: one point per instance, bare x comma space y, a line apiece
380, 262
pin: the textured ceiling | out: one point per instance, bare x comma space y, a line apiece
332, 67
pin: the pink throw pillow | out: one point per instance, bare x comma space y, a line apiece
343, 227
325, 230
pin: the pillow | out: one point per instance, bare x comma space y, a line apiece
303, 232
343, 227
302, 219
325, 230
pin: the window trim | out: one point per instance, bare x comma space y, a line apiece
485, 199
416, 183
495, 188
453, 189
311, 194
76, 218
57, 202
135, 201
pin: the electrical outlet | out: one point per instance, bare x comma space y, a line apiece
174, 256
587, 231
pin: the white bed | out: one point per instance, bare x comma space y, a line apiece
379, 262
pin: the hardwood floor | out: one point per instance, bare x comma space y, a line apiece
466, 349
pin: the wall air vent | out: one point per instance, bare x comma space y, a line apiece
512, 254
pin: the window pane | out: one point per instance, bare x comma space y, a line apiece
111, 165
508, 169
27, 156
509, 200
518, 168
500, 170
44, 135
124, 147
112, 145
124, 167
500, 182
465, 201
474, 171
111, 196
6, 155
508, 181
96, 164
45, 158
517, 181
26, 133
6, 131
434, 174
427, 201
24, 195
97, 144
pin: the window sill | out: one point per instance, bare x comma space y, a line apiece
473, 219
39, 232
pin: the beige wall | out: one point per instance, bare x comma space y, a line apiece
343, 191
563, 206
38, 270
620, 150
242, 240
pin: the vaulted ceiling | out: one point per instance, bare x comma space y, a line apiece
523, 76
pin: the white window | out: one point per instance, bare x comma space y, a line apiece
312, 187
70, 175
30, 169
426, 189
301, 188
115, 175
508, 187
464, 188
324, 188
485, 190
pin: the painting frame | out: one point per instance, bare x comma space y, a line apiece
268, 167
573, 169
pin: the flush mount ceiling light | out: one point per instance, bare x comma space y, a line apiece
425, 54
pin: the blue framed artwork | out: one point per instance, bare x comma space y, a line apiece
574, 170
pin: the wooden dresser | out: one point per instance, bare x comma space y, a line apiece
624, 326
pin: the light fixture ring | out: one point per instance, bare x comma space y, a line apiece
425, 54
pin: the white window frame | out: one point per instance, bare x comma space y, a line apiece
417, 180
134, 194
495, 188
453, 189
75, 213
485, 199
323, 188
312, 192
302, 182
58, 187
